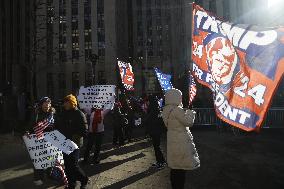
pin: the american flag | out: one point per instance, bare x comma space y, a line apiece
192, 88
41, 125
59, 173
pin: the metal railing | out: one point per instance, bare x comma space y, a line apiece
207, 116
274, 118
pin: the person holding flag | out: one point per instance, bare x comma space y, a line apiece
42, 121
181, 152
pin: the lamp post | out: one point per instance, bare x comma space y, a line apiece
93, 58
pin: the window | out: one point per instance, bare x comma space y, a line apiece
62, 56
74, 7
75, 81
88, 78
49, 85
101, 52
61, 81
75, 33
61, 85
212, 6
160, 52
88, 45
88, 39
139, 3
74, 25
199, 2
75, 54
226, 10
101, 78
140, 53
88, 52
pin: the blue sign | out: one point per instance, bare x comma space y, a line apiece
164, 79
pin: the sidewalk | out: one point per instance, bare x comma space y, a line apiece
125, 167
237, 162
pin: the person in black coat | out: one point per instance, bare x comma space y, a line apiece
155, 128
129, 116
72, 123
118, 125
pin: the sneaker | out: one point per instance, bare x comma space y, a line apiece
85, 184
97, 160
155, 164
85, 162
38, 182
161, 165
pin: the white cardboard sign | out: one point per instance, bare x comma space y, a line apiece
97, 96
60, 141
42, 152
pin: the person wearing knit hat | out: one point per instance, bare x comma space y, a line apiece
72, 100
43, 111
72, 123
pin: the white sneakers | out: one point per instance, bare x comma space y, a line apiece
38, 182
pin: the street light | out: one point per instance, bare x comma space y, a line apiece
93, 58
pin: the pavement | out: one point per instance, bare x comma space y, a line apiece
227, 161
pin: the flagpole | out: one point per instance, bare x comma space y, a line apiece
188, 61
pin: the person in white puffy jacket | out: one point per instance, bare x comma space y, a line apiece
181, 151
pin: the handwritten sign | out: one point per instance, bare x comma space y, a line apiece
98, 96
60, 141
42, 152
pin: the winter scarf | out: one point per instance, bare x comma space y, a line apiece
97, 119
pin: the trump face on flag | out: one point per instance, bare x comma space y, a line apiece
222, 59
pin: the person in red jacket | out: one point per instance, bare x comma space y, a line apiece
96, 134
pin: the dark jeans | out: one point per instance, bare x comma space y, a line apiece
156, 139
38, 174
178, 178
118, 135
128, 132
73, 171
96, 138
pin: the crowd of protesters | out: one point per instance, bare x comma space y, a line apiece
75, 125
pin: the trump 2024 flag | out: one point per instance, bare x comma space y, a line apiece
241, 64
127, 75
164, 79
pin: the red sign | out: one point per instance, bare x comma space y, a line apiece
126, 74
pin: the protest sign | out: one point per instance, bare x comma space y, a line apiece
60, 141
241, 64
42, 152
98, 96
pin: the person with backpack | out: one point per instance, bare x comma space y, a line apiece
43, 111
155, 128
96, 134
